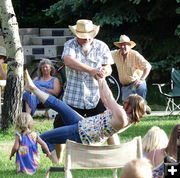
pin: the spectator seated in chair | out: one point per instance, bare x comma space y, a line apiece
45, 82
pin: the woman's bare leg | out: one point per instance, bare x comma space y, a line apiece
59, 151
28, 109
113, 140
53, 157
30, 86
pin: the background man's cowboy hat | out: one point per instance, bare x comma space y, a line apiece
84, 29
2, 51
124, 39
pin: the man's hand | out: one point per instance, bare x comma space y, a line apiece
138, 82
102, 72
96, 73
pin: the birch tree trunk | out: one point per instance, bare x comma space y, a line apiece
14, 85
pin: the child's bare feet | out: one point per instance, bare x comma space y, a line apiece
29, 85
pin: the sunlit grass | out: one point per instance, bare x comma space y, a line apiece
7, 167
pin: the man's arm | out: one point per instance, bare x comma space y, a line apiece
79, 66
146, 72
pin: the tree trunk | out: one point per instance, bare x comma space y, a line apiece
14, 86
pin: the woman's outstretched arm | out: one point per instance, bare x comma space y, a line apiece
29, 86
106, 94
120, 117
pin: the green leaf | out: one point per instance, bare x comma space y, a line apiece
178, 10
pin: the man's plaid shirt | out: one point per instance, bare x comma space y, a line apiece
82, 89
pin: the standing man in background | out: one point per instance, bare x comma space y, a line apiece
132, 67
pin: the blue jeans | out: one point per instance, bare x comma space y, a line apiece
61, 134
127, 90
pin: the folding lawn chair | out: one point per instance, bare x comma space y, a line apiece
79, 156
174, 93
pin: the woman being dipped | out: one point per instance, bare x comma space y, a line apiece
92, 129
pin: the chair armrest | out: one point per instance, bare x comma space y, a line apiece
162, 84
160, 87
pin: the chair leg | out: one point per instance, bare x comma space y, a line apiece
115, 172
168, 105
175, 106
47, 173
172, 101
68, 174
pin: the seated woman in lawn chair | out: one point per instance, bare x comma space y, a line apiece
93, 129
46, 81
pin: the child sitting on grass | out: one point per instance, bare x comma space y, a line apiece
25, 145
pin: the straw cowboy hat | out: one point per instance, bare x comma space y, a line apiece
84, 29
2, 51
124, 39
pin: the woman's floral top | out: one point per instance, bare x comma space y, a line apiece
96, 128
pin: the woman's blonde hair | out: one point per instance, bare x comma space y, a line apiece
24, 123
138, 168
171, 149
155, 138
139, 107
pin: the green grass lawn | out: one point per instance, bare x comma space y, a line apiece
7, 167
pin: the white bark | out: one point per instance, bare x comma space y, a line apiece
14, 86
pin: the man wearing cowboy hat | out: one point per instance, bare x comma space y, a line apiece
86, 58
3, 67
132, 67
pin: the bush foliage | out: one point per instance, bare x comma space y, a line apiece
153, 25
